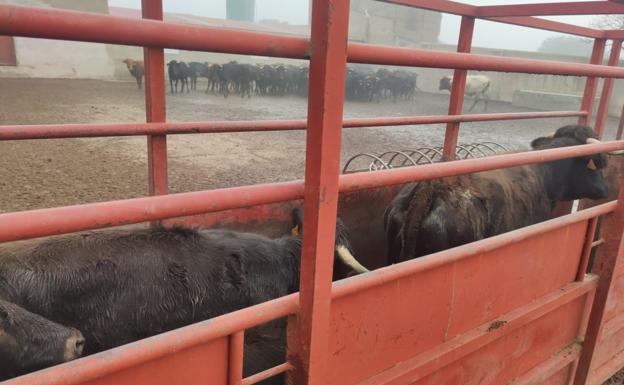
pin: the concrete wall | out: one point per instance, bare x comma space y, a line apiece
379, 23
60, 59
505, 84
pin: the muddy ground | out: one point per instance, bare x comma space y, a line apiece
47, 173
36, 174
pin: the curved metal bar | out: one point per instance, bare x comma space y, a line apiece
460, 148
496, 144
474, 146
407, 157
424, 154
374, 157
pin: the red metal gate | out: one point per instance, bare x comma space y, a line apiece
7, 51
507, 308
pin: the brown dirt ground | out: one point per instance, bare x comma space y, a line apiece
47, 173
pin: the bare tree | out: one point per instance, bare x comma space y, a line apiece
609, 22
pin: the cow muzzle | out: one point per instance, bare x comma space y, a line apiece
74, 346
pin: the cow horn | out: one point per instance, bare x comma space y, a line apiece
349, 260
596, 141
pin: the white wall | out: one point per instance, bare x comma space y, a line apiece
57, 59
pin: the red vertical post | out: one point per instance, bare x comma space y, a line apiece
587, 104
155, 107
587, 249
618, 135
607, 89
589, 94
608, 256
330, 22
236, 350
457, 90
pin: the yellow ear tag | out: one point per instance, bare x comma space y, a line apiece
591, 165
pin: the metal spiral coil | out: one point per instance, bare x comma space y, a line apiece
421, 155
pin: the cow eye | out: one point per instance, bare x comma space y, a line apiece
591, 165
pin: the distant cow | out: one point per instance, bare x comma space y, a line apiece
178, 73
29, 342
118, 286
430, 216
477, 87
196, 70
136, 69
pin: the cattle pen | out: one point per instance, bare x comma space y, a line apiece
507, 309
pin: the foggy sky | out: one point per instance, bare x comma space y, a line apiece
487, 34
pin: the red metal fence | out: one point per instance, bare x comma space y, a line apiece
507, 308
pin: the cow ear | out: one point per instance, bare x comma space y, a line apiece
540, 142
297, 222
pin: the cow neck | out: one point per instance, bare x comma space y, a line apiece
293, 260
552, 182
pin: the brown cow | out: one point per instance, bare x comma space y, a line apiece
435, 215
136, 69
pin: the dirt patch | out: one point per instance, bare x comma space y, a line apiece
36, 174
496, 325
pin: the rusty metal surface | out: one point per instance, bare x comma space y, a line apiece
607, 88
307, 345
591, 84
458, 87
52, 131
7, 51
606, 262
507, 308
155, 105
439, 303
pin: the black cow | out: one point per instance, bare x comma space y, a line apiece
214, 74
430, 216
118, 286
196, 70
178, 72
29, 342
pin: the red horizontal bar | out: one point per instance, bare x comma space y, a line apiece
61, 220
446, 6
274, 371
471, 10
550, 25
55, 131
551, 9
617, 34
391, 273
371, 54
101, 364
80, 26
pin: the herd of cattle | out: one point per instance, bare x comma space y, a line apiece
72, 295
361, 84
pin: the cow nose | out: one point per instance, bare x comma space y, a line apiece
74, 346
